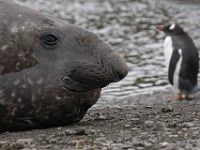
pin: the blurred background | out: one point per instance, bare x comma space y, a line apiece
129, 26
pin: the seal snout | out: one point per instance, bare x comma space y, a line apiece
119, 69
89, 77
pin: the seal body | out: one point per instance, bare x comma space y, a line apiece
51, 72
182, 60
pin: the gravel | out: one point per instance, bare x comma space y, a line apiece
166, 126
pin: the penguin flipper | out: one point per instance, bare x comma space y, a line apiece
172, 65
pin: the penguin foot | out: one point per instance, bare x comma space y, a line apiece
186, 97
180, 97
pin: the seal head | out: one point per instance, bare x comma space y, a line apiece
51, 71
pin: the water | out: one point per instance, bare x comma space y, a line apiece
130, 28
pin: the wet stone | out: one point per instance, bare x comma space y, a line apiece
48, 146
149, 123
139, 144
173, 124
44, 142
173, 136
43, 136
71, 142
59, 128
188, 124
127, 125
2, 143
53, 141
135, 129
135, 119
80, 142
50, 137
148, 107
102, 141
147, 144
25, 141
69, 132
101, 117
17, 146
117, 139
167, 109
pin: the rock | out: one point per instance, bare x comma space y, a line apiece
71, 142
188, 124
149, 123
101, 117
2, 143
101, 141
80, 142
148, 107
167, 109
69, 132
127, 125
53, 141
173, 124
135, 129
17, 146
48, 146
25, 141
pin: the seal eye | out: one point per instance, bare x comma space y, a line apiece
50, 39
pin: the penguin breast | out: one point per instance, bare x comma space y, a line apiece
168, 50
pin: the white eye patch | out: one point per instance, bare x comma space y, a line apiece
172, 27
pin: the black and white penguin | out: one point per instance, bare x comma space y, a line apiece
182, 61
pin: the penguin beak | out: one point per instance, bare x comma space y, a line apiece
160, 28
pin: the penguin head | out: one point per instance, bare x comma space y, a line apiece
171, 29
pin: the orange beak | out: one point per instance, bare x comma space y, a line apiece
160, 28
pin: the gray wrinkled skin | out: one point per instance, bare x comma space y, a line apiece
51, 72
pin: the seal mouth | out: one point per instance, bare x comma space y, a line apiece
69, 89
77, 87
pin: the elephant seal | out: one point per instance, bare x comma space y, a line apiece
51, 72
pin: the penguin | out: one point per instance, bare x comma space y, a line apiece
182, 61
